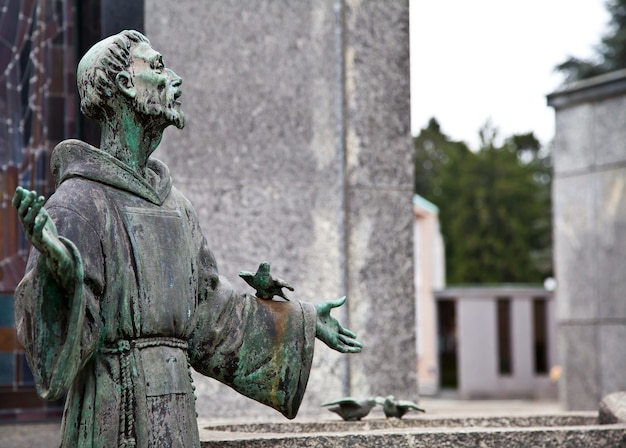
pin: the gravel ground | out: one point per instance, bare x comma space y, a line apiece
30, 435
46, 435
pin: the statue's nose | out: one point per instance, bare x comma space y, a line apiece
176, 80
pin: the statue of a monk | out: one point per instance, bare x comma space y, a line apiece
122, 294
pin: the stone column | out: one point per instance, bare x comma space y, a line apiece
589, 195
298, 151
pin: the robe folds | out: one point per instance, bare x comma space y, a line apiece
145, 303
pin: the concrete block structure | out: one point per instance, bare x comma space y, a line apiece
589, 197
297, 151
430, 272
500, 341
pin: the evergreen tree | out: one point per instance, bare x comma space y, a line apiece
610, 53
494, 204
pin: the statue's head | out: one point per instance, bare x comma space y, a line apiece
124, 69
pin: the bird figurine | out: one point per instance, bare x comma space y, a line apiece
397, 408
266, 287
351, 409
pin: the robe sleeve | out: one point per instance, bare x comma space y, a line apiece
261, 348
59, 327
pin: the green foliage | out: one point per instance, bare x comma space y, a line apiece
610, 53
494, 204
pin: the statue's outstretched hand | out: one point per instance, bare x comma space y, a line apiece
330, 332
41, 231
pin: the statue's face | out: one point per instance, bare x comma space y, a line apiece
157, 87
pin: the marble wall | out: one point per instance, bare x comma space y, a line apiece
589, 196
297, 151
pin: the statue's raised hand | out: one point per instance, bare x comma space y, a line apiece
41, 231
330, 332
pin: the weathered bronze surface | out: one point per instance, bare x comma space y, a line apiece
352, 409
122, 294
397, 408
265, 286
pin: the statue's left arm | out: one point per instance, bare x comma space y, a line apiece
261, 348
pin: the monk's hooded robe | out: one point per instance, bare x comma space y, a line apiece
145, 303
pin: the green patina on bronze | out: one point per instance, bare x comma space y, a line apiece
122, 296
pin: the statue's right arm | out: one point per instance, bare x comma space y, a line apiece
42, 233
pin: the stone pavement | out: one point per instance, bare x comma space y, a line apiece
453, 407
45, 435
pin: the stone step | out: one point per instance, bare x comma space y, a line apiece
571, 429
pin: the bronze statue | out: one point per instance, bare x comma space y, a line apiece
122, 293
397, 408
352, 409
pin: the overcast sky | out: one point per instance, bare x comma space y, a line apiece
493, 59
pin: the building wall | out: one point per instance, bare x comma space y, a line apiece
297, 151
41, 42
589, 197
429, 276
37, 110
477, 335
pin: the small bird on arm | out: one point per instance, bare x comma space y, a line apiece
266, 287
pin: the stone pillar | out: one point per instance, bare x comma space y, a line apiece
589, 195
298, 151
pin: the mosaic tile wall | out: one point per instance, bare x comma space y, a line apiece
37, 110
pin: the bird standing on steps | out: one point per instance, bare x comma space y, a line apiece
351, 409
397, 408
266, 287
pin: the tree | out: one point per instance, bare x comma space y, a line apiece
436, 158
494, 204
610, 53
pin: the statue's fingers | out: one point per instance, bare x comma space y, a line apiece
18, 197
34, 209
336, 303
349, 341
39, 225
347, 332
27, 201
348, 349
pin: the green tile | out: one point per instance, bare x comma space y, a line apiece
7, 313
7, 369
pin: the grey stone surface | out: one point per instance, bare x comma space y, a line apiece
376, 64
610, 253
379, 309
611, 367
575, 240
411, 422
546, 431
578, 347
590, 135
551, 430
31, 435
612, 409
573, 139
589, 194
297, 144
609, 131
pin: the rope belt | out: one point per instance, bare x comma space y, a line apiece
123, 348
